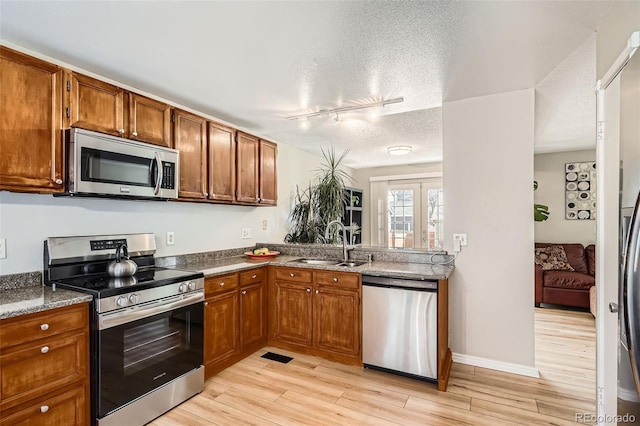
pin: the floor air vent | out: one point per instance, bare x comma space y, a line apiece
277, 357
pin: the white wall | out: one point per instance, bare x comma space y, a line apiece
361, 180
488, 174
549, 172
26, 220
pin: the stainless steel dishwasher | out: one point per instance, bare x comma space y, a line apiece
400, 326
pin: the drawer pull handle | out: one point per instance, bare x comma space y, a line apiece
44, 408
292, 275
335, 280
317, 291
44, 349
244, 292
44, 327
253, 276
221, 284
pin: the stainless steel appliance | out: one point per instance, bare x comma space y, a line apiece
400, 326
104, 165
146, 329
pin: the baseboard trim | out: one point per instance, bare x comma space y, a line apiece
492, 364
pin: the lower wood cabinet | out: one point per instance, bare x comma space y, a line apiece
317, 312
235, 318
44, 367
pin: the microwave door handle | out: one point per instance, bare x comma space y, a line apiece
631, 293
159, 174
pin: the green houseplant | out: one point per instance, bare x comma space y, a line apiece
320, 203
540, 211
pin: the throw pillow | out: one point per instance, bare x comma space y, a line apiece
553, 258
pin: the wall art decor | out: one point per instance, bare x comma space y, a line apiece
580, 191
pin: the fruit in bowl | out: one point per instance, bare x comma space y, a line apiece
261, 251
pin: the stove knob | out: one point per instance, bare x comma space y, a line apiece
134, 298
192, 285
182, 288
121, 301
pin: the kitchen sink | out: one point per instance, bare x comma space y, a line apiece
351, 264
319, 261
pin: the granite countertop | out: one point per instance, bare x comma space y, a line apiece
30, 299
424, 271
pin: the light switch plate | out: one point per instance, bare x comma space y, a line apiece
460, 237
3, 248
246, 233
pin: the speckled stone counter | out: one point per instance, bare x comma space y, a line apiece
422, 271
36, 298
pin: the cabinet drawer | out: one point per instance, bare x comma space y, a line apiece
252, 276
338, 279
31, 370
295, 275
31, 327
67, 408
215, 285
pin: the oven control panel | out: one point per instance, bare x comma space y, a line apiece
106, 244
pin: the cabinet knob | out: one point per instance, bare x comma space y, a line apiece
335, 280
134, 134
206, 303
44, 349
44, 408
253, 276
121, 131
58, 181
308, 290
292, 275
317, 291
221, 284
206, 194
44, 327
244, 292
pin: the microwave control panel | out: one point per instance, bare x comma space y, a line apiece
168, 175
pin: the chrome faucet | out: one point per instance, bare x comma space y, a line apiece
345, 248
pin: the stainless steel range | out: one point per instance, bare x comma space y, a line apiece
146, 329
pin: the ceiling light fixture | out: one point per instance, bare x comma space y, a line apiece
336, 111
399, 150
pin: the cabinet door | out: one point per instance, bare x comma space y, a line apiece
247, 168
30, 123
221, 327
293, 313
268, 173
189, 138
337, 320
252, 314
222, 163
149, 120
70, 407
96, 105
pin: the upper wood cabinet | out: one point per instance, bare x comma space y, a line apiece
268, 176
31, 152
96, 105
222, 163
189, 137
247, 168
149, 120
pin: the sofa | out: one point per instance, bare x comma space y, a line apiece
563, 286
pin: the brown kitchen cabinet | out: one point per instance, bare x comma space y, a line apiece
149, 120
317, 312
247, 165
222, 163
31, 105
44, 367
189, 137
235, 318
96, 105
268, 179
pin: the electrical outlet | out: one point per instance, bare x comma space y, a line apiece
246, 233
264, 225
3, 248
171, 238
462, 238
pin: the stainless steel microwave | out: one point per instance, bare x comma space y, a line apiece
104, 165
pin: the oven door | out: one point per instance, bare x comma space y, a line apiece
106, 165
146, 346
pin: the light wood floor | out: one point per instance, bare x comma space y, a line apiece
312, 391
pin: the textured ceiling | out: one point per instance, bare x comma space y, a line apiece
254, 63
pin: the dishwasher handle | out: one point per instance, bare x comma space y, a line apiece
409, 284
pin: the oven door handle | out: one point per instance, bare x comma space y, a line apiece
113, 319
